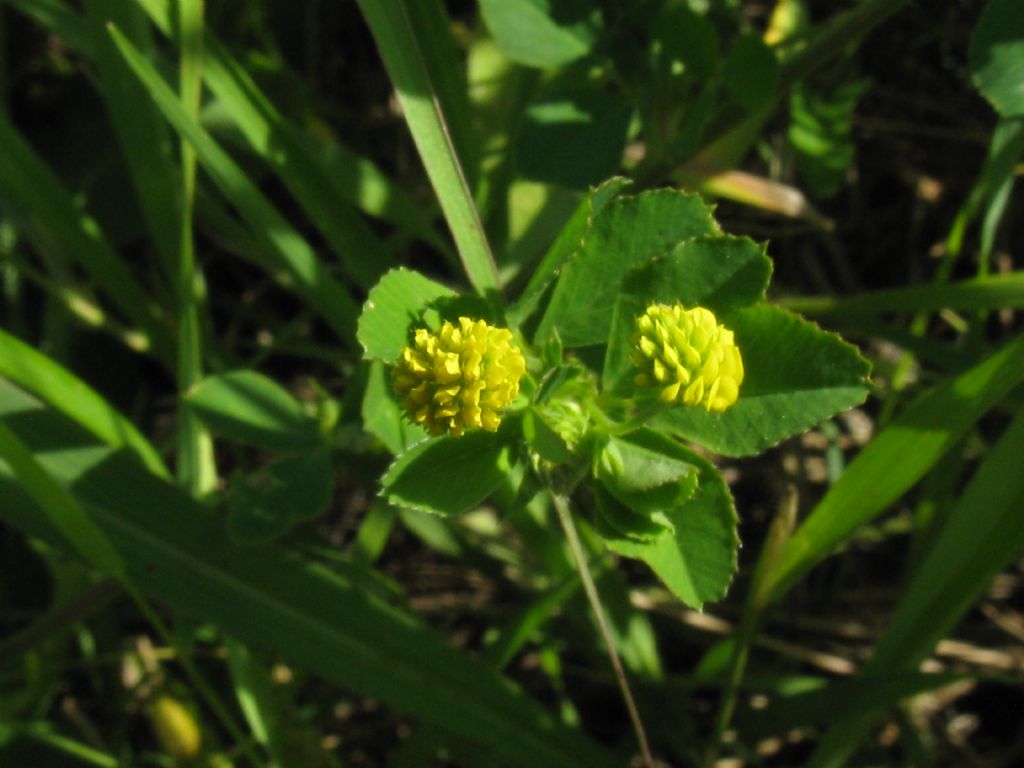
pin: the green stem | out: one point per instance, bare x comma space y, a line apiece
579, 555
195, 470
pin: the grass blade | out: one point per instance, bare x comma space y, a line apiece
56, 227
982, 536
60, 506
141, 133
414, 68
894, 460
177, 551
293, 254
64, 391
325, 178
281, 145
994, 292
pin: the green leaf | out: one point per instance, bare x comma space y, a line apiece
177, 552
641, 461
721, 273
447, 475
572, 136
538, 611
896, 459
821, 132
997, 56
420, 73
696, 561
248, 408
396, 304
627, 231
989, 194
617, 521
324, 177
382, 415
542, 33
796, 375
257, 697
648, 475
543, 439
564, 246
267, 503
751, 73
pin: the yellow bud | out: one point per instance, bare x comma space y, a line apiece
175, 728
688, 356
462, 378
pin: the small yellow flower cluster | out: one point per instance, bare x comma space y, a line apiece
459, 379
689, 355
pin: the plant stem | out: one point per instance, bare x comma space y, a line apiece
571, 534
196, 471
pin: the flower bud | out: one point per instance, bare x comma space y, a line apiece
175, 728
688, 355
461, 378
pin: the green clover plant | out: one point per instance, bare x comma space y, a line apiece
642, 341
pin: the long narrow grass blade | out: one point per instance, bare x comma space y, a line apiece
415, 69
982, 536
55, 225
177, 552
306, 163
362, 253
982, 293
60, 506
61, 389
894, 460
325, 177
141, 131
996, 174
277, 142
293, 254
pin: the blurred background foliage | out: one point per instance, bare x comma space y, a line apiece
192, 194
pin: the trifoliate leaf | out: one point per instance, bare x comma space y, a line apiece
696, 560
448, 475
796, 375
393, 306
627, 231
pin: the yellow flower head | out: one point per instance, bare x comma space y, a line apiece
687, 354
459, 379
